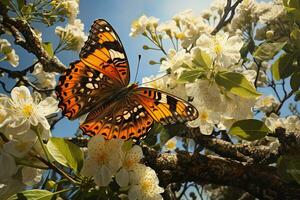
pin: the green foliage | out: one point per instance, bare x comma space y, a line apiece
65, 153
236, 83
202, 59
48, 48
35, 195
283, 66
248, 47
194, 71
295, 81
190, 76
249, 129
267, 50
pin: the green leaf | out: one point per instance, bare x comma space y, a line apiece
35, 195
249, 129
297, 95
237, 84
294, 168
247, 47
66, 153
202, 59
283, 66
267, 50
48, 48
190, 76
295, 81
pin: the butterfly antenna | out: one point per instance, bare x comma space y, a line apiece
138, 67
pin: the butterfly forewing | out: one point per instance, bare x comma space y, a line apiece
81, 88
103, 49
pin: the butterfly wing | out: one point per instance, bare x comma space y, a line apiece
103, 49
81, 88
133, 116
102, 71
165, 108
122, 119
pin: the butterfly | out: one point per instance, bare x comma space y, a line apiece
98, 85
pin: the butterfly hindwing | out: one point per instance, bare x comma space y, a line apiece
81, 87
127, 119
165, 108
104, 50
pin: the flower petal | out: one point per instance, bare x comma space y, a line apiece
103, 176
122, 177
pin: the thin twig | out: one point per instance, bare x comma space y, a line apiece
225, 20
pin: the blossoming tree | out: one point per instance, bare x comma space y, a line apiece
236, 62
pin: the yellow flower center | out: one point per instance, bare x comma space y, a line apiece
218, 48
27, 110
146, 186
203, 116
171, 144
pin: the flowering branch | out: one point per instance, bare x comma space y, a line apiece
21, 76
26, 38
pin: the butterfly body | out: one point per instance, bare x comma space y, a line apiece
98, 84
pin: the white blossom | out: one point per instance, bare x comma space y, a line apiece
130, 160
142, 24
222, 48
171, 144
266, 103
70, 7
144, 184
104, 159
72, 35
9, 53
44, 79
26, 111
20, 145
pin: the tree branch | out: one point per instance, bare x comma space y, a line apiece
260, 181
26, 38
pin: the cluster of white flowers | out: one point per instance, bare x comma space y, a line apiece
266, 104
70, 7
275, 20
108, 159
290, 123
142, 24
9, 53
72, 36
22, 121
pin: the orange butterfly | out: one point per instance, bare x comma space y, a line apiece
98, 84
